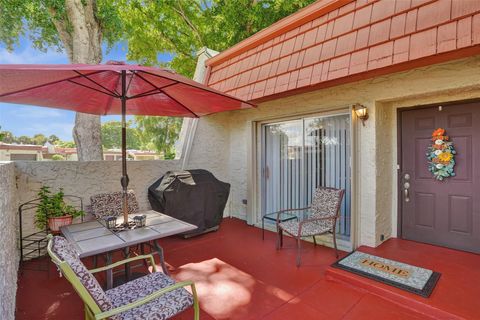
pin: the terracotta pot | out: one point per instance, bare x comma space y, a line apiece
55, 223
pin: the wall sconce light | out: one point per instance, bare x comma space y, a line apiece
361, 112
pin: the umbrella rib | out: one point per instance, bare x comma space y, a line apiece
151, 92
91, 88
115, 93
181, 104
46, 84
130, 81
203, 87
111, 100
144, 94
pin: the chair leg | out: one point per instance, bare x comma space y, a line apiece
299, 251
315, 241
142, 251
279, 238
263, 228
335, 243
126, 253
162, 257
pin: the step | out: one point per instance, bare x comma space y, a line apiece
402, 298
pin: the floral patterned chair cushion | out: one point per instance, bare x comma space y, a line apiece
325, 204
110, 204
63, 250
161, 308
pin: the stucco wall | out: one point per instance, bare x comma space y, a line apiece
374, 207
85, 179
222, 144
9, 254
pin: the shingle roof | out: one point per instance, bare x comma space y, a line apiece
352, 41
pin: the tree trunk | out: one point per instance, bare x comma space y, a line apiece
85, 47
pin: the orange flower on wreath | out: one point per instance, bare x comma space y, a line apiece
445, 138
438, 132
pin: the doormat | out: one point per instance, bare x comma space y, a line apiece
401, 275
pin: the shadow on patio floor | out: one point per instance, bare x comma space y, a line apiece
238, 276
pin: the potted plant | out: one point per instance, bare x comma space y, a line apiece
53, 211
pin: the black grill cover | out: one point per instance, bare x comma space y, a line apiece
194, 196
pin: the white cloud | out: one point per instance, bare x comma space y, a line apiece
34, 112
29, 120
30, 55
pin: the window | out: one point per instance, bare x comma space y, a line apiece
300, 155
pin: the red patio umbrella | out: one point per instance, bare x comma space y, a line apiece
112, 88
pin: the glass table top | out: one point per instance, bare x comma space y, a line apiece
288, 215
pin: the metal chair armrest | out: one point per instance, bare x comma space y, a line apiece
287, 210
122, 262
151, 297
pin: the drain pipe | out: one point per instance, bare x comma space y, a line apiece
189, 126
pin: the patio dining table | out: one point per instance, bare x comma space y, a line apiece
93, 237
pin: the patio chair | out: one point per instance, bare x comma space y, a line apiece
154, 296
110, 204
325, 210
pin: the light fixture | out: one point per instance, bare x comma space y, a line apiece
361, 112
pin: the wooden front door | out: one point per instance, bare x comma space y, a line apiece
445, 213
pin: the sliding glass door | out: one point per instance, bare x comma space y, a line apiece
300, 155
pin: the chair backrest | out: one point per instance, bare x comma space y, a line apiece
66, 258
110, 204
326, 203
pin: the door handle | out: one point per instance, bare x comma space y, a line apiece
406, 186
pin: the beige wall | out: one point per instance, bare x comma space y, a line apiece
221, 143
9, 254
85, 179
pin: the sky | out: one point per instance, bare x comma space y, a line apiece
30, 120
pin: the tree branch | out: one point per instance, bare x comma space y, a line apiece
165, 36
188, 22
65, 36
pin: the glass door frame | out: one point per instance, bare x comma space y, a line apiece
258, 167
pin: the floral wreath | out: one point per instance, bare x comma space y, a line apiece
441, 155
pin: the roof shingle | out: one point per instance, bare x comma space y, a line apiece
358, 37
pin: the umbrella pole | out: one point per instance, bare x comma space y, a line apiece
124, 180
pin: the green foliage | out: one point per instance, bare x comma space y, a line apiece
53, 205
65, 144
2, 134
159, 133
144, 133
58, 157
112, 135
53, 139
39, 139
182, 27
236, 20
7, 137
37, 19
24, 140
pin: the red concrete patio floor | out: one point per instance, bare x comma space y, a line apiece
239, 276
